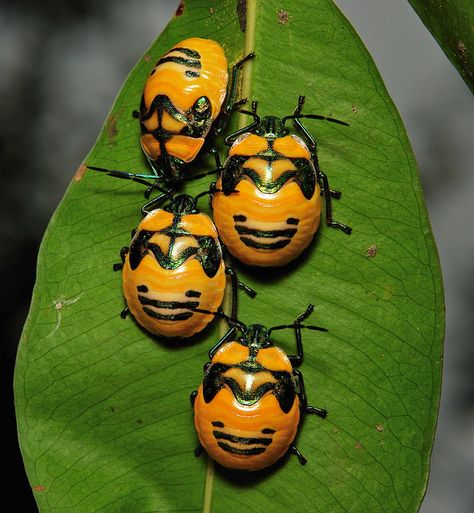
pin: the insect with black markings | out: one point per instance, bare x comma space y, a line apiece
250, 403
175, 264
185, 95
279, 181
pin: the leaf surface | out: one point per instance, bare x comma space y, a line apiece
451, 22
103, 409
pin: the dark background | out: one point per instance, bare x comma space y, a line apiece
61, 66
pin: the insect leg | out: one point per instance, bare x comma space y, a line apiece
297, 453
231, 104
327, 200
302, 395
123, 253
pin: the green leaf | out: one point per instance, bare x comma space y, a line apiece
451, 22
103, 409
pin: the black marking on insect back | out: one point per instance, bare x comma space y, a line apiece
292, 220
245, 397
304, 174
192, 74
240, 218
142, 288
190, 63
268, 431
166, 261
138, 248
217, 423
262, 245
193, 293
269, 234
267, 185
160, 103
209, 254
285, 390
180, 205
220, 435
213, 381
170, 305
283, 387
187, 51
199, 118
168, 317
244, 452
232, 173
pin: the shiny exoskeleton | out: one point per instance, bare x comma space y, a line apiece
182, 97
249, 405
278, 181
174, 264
184, 94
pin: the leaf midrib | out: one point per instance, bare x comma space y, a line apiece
249, 46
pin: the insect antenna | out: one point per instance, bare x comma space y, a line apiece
253, 113
314, 116
297, 323
233, 322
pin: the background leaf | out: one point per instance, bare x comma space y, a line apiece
103, 410
452, 24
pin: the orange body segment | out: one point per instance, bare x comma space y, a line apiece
164, 275
240, 427
182, 147
207, 75
266, 229
292, 147
262, 428
248, 144
183, 95
168, 288
268, 206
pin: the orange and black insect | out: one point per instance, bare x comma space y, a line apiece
183, 96
174, 264
250, 403
279, 182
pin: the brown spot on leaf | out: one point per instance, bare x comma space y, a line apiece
147, 57
283, 17
379, 428
112, 130
78, 175
180, 9
358, 445
372, 250
354, 108
39, 488
242, 14
461, 47
212, 10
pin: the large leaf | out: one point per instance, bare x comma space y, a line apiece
103, 411
452, 24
